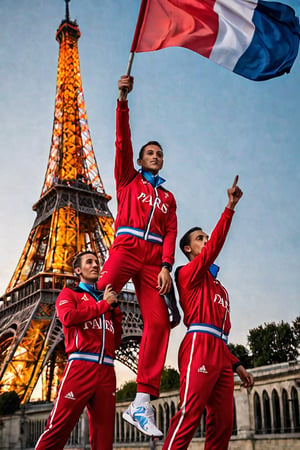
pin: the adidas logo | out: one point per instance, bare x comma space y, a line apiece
84, 297
103, 273
70, 396
202, 369
63, 302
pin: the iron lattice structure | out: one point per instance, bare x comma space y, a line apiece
72, 215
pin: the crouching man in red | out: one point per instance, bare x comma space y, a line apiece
205, 362
92, 328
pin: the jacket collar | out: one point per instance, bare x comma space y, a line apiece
90, 288
214, 269
154, 180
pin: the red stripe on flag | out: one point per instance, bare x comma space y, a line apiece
192, 24
139, 25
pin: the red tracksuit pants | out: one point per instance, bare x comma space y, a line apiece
206, 380
141, 261
83, 384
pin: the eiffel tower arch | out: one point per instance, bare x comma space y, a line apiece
72, 215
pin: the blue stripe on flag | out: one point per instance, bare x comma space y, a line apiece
274, 46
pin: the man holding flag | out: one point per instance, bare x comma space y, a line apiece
143, 250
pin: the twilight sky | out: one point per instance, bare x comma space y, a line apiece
212, 124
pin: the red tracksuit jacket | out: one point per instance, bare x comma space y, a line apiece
205, 362
136, 196
203, 299
88, 326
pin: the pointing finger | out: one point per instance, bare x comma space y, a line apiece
236, 179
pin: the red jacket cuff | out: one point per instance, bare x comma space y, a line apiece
122, 105
228, 212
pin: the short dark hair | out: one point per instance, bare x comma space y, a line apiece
141, 152
186, 238
77, 258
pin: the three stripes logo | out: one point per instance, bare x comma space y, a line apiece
202, 369
70, 396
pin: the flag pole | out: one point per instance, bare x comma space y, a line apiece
130, 61
136, 35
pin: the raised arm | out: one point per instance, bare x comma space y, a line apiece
125, 85
191, 273
234, 194
124, 167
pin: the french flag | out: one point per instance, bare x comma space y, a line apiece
256, 39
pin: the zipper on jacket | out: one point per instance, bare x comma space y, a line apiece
150, 217
76, 338
101, 354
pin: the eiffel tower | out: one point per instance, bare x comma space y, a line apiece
72, 215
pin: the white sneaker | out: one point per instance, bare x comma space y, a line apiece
142, 417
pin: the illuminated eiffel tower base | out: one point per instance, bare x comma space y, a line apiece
72, 215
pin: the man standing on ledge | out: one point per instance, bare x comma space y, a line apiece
146, 229
205, 362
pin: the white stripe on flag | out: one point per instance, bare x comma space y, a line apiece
236, 31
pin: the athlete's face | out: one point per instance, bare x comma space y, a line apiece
152, 159
89, 269
198, 240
